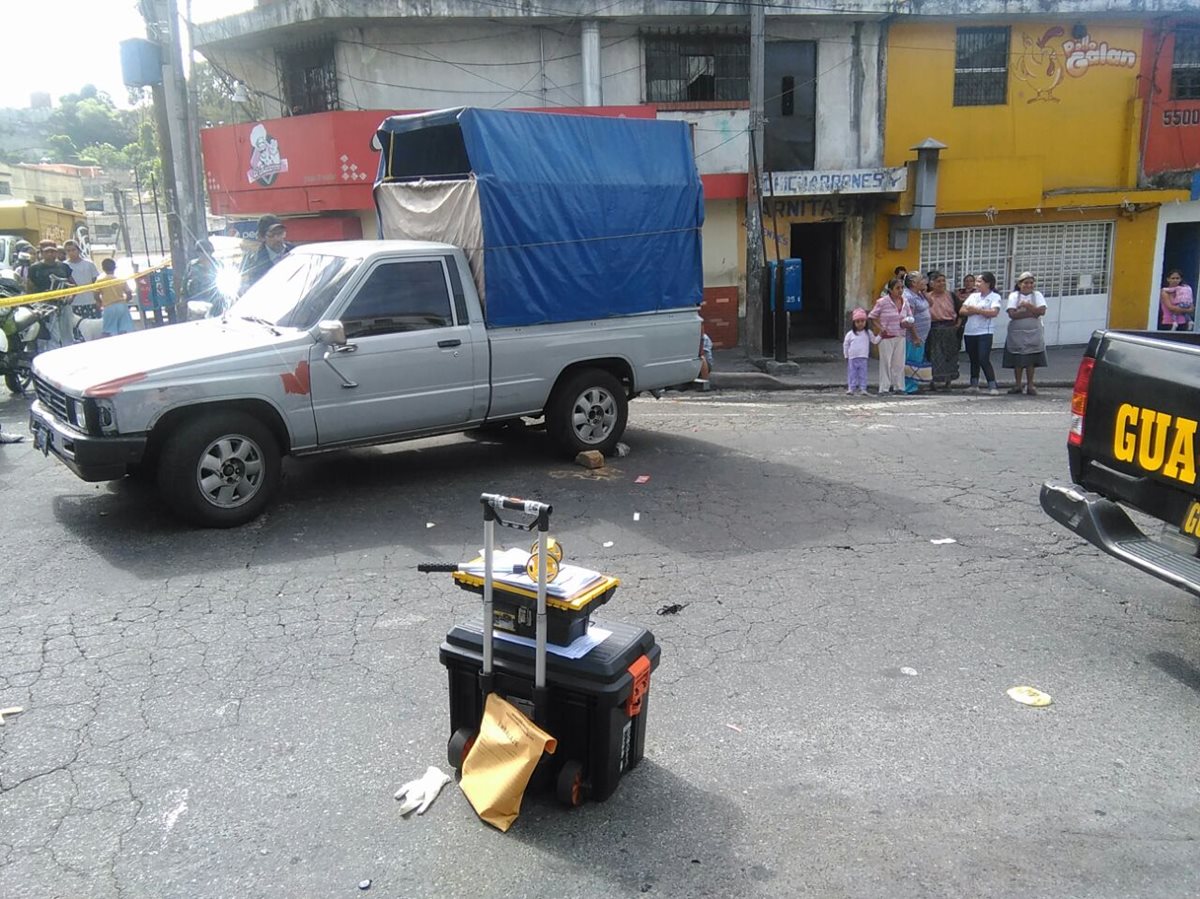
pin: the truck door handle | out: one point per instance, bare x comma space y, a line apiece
446, 344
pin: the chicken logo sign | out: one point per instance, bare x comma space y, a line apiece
1043, 63
265, 162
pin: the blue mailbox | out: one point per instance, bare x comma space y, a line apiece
792, 291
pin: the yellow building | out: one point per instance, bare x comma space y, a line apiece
1043, 126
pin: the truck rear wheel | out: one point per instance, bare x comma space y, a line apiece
220, 469
588, 412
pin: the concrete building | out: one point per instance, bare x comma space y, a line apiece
318, 77
1072, 138
50, 185
1071, 132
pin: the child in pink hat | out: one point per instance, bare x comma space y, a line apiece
857, 349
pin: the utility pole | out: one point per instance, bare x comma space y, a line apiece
754, 235
185, 213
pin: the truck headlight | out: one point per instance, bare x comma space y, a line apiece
76, 414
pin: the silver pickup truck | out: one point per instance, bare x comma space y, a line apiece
339, 345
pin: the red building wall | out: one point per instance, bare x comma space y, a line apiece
1172, 127
323, 165
316, 163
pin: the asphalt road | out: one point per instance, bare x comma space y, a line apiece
227, 714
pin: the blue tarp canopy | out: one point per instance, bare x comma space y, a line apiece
583, 216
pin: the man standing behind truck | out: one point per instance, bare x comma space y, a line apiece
274, 246
84, 271
47, 275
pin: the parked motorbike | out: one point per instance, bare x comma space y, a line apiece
20, 328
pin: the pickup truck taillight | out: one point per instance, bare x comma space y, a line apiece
1083, 379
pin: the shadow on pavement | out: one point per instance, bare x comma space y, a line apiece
1177, 667
702, 500
657, 834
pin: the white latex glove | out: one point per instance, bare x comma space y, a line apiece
419, 794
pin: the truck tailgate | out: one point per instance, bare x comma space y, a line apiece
1138, 448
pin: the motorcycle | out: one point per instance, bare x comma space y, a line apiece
20, 329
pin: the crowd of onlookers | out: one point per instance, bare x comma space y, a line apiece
919, 323
51, 268
64, 267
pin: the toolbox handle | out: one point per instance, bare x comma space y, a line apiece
494, 503
452, 567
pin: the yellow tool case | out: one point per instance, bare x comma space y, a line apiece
570, 600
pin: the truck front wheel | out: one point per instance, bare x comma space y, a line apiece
220, 469
588, 412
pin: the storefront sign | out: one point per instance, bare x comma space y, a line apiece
1085, 53
812, 208
847, 181
1044, 61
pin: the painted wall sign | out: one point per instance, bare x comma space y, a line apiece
1085, 53
849, 181
266, 163
1043, 62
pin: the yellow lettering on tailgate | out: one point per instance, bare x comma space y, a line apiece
1156, 442
1181, 463
1152, 439
1191, 521
1124, 437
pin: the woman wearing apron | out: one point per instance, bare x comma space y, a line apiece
1025, 346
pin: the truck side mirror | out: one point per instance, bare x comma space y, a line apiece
333, 336
331, 333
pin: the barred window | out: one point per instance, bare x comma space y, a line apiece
94, 205
683, 67
309, 77
981, 67
1185, 65
6, 188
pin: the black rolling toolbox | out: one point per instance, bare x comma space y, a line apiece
595, 706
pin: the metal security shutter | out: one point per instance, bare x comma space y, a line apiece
1071, 260
957, 252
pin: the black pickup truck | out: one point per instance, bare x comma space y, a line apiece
1132, 443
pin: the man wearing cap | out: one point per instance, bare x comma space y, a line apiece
47, 275
272, 233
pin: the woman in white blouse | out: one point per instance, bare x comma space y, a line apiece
1025, 346
980, 310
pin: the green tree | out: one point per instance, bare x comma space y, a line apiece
90, 117
62, 148
214, 98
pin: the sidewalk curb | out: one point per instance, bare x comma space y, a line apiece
753, 380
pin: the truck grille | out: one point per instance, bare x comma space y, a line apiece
53, 400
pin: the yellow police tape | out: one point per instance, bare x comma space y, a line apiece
48, 295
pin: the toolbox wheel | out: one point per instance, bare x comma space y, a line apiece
458, 747
569, 787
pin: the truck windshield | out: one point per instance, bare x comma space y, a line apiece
296, 291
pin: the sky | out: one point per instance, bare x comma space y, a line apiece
82, 47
